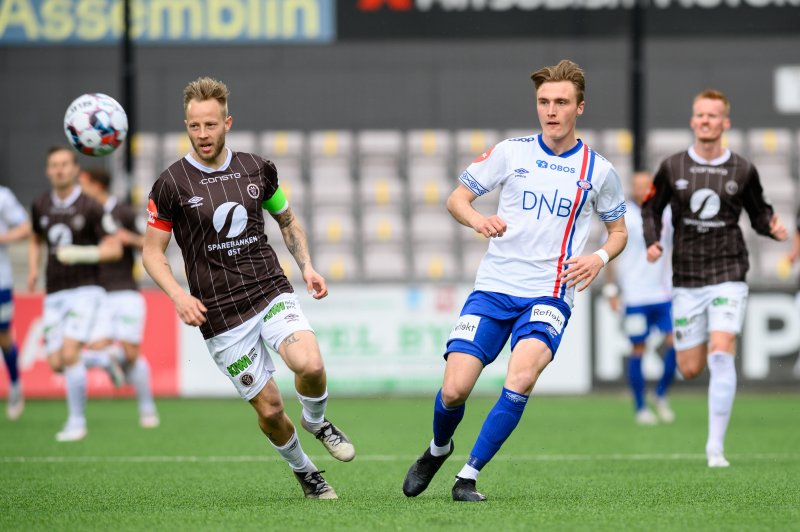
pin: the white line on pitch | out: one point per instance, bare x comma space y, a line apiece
393, 458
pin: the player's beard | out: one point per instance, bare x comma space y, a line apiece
218, 146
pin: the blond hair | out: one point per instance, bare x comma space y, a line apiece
714, 94
565, 70
206, 88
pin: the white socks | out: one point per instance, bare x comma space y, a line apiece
314, 409
138, 374
75, 381
721, 391
468, 472
101, 358
293, 453
440, 451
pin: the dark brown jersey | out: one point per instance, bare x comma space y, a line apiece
118, 275
218, 223
77, 220
707, 198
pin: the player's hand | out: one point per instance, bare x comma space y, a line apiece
127, 238
491, 227
654, 252
315, 283
777, 229
190, 309
581, 271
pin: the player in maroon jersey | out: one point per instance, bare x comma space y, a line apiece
121, 324
213, 200
707, 187
78, 238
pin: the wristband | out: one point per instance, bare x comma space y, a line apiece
603, 254
610, 290
78, 254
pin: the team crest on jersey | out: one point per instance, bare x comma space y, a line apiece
247, 379
541, 164
585, 185
78, 221
483, 156
731, 187
253, 191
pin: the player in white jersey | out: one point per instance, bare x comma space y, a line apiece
14, 225
645, 290
550, 185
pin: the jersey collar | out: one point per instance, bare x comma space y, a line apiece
572, 151
714, 162
206, 169
69, 200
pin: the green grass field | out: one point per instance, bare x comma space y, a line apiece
574, 463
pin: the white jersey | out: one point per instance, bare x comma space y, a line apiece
642, 282
547, 200
11, 215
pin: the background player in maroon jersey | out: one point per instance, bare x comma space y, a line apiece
707, 186
213, 200
124, 309
77, 237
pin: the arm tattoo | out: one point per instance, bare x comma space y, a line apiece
291, 339
294, 237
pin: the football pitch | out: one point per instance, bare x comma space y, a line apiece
574, 463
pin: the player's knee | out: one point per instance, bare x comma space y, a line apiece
313, 370
271, 416
691, 369
454, 395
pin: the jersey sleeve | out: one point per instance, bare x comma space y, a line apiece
36, 219
654, 205
161, 206
13, 212
102, 223
487, 171
274, 200
755, 204
610, 203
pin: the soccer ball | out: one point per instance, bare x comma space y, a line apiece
95, 124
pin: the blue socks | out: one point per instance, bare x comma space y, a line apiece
445, 421
669, 373
500, 423
636, 380
11, 363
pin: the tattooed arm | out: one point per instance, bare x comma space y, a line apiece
297, 244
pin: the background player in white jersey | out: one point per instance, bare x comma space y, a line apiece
14, 225
77, 237
551, 184
707, 187
213, 201
124, 309
645, 290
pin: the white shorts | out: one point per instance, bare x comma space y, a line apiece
121, 317
697, 311
241, 353
70, 314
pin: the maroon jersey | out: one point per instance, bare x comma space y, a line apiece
118, 275
707, 198
76, 220
218, 223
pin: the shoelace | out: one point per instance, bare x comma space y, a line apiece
315, 478
331, 436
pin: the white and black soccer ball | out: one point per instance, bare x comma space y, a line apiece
95, 124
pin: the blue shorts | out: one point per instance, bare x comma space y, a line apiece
6, 309
489, 318
639, 320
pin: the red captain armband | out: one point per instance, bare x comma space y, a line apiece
483, 156
154, 221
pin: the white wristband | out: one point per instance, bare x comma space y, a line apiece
78, 254
603, 255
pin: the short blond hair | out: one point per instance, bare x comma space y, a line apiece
565, 70
714, 94
206, 88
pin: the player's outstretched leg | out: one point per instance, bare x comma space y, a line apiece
334, 440
422, 471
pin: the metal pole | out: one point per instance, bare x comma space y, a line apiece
637, 108
128, 89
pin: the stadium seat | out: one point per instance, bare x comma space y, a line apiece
173, 147
432, 225
336, 262
470, 143
383, 224
434, 262
385, 262
617, 147
241, 141
379, 177
333, 224
331, 173
431, 177
146, 168
662, 143
734, 140
770, 150
286, 149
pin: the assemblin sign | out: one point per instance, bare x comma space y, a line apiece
167, 21
505, 5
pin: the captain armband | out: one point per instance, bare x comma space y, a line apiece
277, 203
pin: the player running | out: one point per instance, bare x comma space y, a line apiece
551, 184
646, 291
77, 237
14, 225
124, 309
213, 200
707, 186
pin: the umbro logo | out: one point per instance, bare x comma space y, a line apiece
195, 201
681, 184
521, 171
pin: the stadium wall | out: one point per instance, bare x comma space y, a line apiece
388, 340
